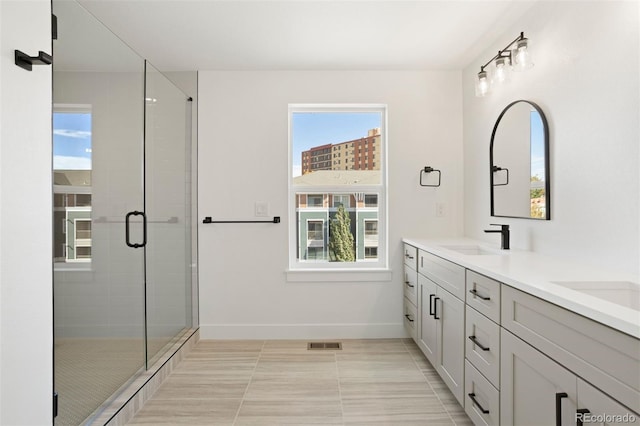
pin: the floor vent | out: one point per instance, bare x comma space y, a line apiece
324, 346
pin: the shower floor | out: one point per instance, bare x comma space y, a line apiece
88, 372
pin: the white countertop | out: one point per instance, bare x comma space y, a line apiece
607, 297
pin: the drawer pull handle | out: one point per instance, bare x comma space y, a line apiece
408, 256
478, 344
409, 284
435, 308
580, 415
477, 404
475, 293
559, 397
407, 316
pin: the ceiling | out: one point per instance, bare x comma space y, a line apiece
177, 35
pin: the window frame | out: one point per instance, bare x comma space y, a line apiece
381, 264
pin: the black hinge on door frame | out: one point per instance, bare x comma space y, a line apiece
55, 405
54, 27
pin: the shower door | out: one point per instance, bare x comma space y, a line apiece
168, 208
99, 329
122, 214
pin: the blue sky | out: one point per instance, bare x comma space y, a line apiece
537, 145
71, 141
309, 129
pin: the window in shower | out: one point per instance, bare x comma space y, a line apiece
72, 164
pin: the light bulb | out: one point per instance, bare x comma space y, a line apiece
482, 84
501, 73
522, 55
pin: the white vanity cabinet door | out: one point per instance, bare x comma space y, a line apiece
427, 324
441, 333
449, 314
483, 345
532, 385
602, 409
483, 294
482, 400
410, 318
411, 256
447, 275
410, 285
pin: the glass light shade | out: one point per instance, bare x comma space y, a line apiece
501, 71
482, 84
522, 55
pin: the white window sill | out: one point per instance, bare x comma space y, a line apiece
73, 267
333, 275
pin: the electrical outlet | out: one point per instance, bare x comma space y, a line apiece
261, 209
440, 209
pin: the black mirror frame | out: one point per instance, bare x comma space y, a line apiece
547, 178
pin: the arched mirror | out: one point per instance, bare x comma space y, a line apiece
519, 163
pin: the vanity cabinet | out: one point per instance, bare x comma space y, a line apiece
537, 390
427, 326
410, 285
441, 325
592, 351
482, 350
512, 358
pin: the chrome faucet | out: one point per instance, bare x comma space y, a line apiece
504, 232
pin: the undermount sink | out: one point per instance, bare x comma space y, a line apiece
473, 250
623, 293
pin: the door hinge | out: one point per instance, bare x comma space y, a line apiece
54, 27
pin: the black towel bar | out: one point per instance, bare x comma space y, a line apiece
208, 219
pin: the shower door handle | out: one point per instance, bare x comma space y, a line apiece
144, 229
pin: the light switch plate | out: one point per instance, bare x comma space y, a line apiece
261, 209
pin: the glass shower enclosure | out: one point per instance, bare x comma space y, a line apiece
122, 214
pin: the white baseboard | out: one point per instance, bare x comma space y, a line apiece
302, 331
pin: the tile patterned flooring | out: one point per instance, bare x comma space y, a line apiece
276, 382
90, 371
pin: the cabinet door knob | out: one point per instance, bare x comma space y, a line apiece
559, 397
478, 344
477, 404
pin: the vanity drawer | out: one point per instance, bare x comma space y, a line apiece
593, 351
483, 294
483, 345
410, 284
447, 275
410, 256
409, 314
481, 399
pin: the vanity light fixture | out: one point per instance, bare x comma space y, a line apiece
515, 55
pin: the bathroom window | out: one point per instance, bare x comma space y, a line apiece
349, 204
72, 193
